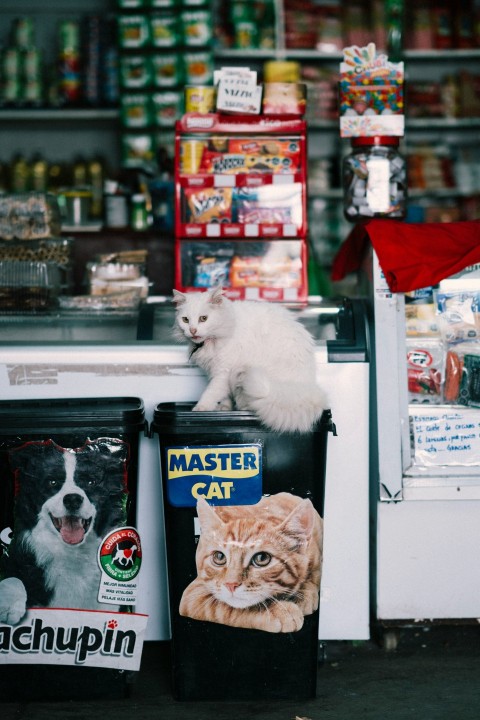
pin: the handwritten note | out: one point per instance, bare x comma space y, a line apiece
450, 437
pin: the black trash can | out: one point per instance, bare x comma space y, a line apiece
244, 531
68, 480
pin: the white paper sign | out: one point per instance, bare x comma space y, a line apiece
450, 437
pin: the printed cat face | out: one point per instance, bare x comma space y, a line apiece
200, 315
248, 561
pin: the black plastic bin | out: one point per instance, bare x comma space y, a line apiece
258, 530
37, 426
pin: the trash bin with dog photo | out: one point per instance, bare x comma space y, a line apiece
244, 531
69, 550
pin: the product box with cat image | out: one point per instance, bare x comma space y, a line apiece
244, 528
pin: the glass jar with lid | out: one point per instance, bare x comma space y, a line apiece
374, 179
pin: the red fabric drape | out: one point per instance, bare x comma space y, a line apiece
411, 255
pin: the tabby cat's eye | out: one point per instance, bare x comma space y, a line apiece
261, 559
219, 558
203, 318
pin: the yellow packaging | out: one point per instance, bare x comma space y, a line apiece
281, 71
191, 152
200, 98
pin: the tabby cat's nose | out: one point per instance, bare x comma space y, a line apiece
232, 586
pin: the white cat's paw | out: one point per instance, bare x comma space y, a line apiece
225, 404
13, 600
202, 407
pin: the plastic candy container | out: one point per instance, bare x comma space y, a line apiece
374, 179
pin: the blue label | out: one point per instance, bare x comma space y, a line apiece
223, 474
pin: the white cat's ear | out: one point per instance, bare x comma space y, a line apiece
178, 297
216, 295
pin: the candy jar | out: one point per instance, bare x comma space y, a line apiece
374, 179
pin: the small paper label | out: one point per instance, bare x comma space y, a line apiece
378, 184
120, 559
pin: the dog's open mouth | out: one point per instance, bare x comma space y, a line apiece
71, 528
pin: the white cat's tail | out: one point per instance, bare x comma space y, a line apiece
281, 406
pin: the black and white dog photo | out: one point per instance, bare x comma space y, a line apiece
66, 501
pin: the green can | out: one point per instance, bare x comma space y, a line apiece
138, 212
32, 64
68, 37
12, 63
23, 33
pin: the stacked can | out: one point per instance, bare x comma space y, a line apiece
70, 81
22, 66
164, 45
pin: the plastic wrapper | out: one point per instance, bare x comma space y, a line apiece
425, 363
113, 278
120, 302
459, 315
29, 216
421, 317
462, 375
28, 286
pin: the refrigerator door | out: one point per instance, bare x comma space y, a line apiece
426, 535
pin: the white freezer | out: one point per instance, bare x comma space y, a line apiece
68, 359
427, 534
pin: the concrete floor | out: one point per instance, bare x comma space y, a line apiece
433, 674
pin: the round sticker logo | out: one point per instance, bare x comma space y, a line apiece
120, 554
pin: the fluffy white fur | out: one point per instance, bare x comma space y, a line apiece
257, 356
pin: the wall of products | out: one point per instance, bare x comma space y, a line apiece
49, 119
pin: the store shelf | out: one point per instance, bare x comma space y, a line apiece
58, 115
442, 56
412, 124
277, 54
443, 123
447, 193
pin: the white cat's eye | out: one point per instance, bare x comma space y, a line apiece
184, 319
219, 558
261, 559
203, 318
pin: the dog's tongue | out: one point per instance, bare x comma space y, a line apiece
72, 530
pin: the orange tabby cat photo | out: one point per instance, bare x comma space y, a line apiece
258, 566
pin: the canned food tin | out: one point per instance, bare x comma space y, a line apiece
191, 152
135, 71
32, 65
136, 110
200, 98
167, 71
138, 212
197, 27
69, 36
23, 32
168, 107
133, 31
11, 63
198, 68
12, 90
164, 30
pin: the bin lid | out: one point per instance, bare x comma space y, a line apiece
173, 416
71, 412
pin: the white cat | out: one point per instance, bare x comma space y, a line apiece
257, 356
